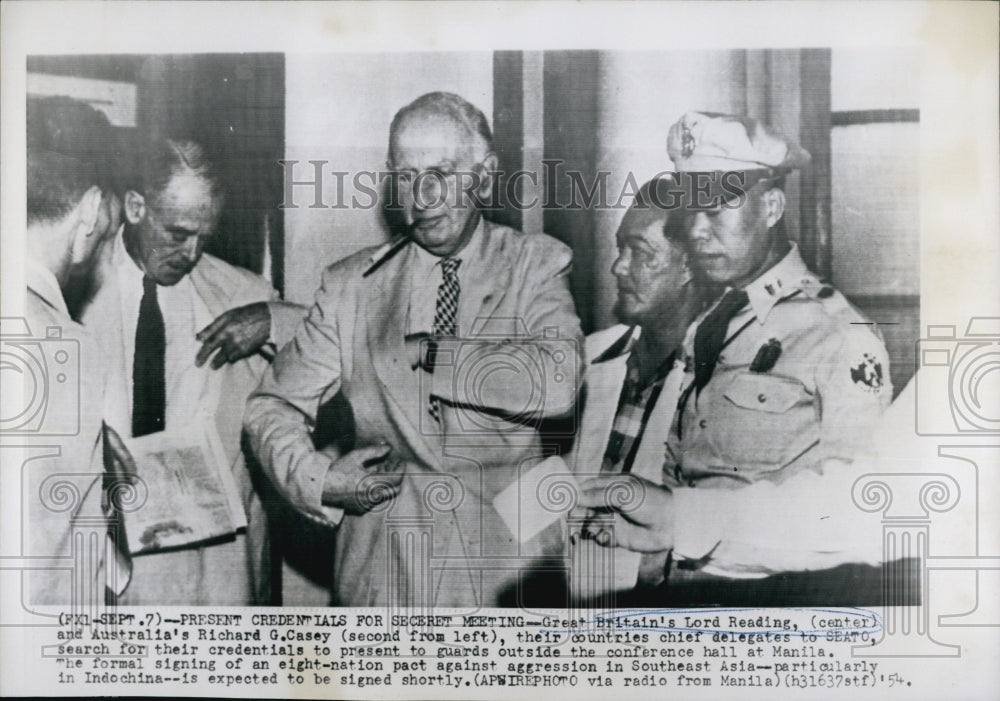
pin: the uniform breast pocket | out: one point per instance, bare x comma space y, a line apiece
763, 422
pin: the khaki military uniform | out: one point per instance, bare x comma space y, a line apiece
802, 378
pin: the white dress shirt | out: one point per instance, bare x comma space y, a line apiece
185, 383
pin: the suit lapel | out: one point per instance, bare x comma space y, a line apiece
224, 391
603, 380
386, 310
488, 279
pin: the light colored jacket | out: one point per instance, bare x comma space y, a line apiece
228, 573
597, 571
59, 476
440, 541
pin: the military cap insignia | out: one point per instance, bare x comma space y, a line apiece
687, 141
867, 373
767, 356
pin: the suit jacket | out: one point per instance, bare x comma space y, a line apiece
439, 541
227, 573
59, 478
595, 571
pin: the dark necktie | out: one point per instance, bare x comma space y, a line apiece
149, 386
445, 312
711, 335
709, 340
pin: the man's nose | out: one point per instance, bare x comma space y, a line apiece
620, 267
408, 205
699, 227
190, 249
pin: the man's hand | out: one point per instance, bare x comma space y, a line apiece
236, 334
643, 523
362, 479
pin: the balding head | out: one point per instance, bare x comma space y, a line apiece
440, 151
440, 106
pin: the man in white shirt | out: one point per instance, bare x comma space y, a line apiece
68, 220
164, 309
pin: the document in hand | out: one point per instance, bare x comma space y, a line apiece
189, 489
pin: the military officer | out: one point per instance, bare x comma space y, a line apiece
783, 375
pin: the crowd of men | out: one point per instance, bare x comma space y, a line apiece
728, 405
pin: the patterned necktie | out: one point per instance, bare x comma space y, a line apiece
444, 313
149, 386
711, 335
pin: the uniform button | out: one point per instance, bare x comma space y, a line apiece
691, 483
703, 423
761, 398
722, 359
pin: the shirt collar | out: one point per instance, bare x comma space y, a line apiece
620, 347
41, 280
783, 279
473, 252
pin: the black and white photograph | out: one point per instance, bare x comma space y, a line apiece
490, 353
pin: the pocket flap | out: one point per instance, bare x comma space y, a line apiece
769, 393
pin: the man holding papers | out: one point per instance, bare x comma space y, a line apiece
160, 291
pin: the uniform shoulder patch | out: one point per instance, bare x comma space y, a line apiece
867, 373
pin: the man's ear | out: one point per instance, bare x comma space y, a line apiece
85, 219
683, 261
87, 210
487, 168
774, 205
135, 207
686, 275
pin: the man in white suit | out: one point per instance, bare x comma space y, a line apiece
450, 350
165, 308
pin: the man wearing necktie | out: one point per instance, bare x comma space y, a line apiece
451, 348
784, 376
164, 308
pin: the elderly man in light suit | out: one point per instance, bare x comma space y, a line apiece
451, 347
163, 309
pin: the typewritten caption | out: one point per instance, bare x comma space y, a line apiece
792, 648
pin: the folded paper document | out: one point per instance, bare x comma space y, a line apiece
187, 491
